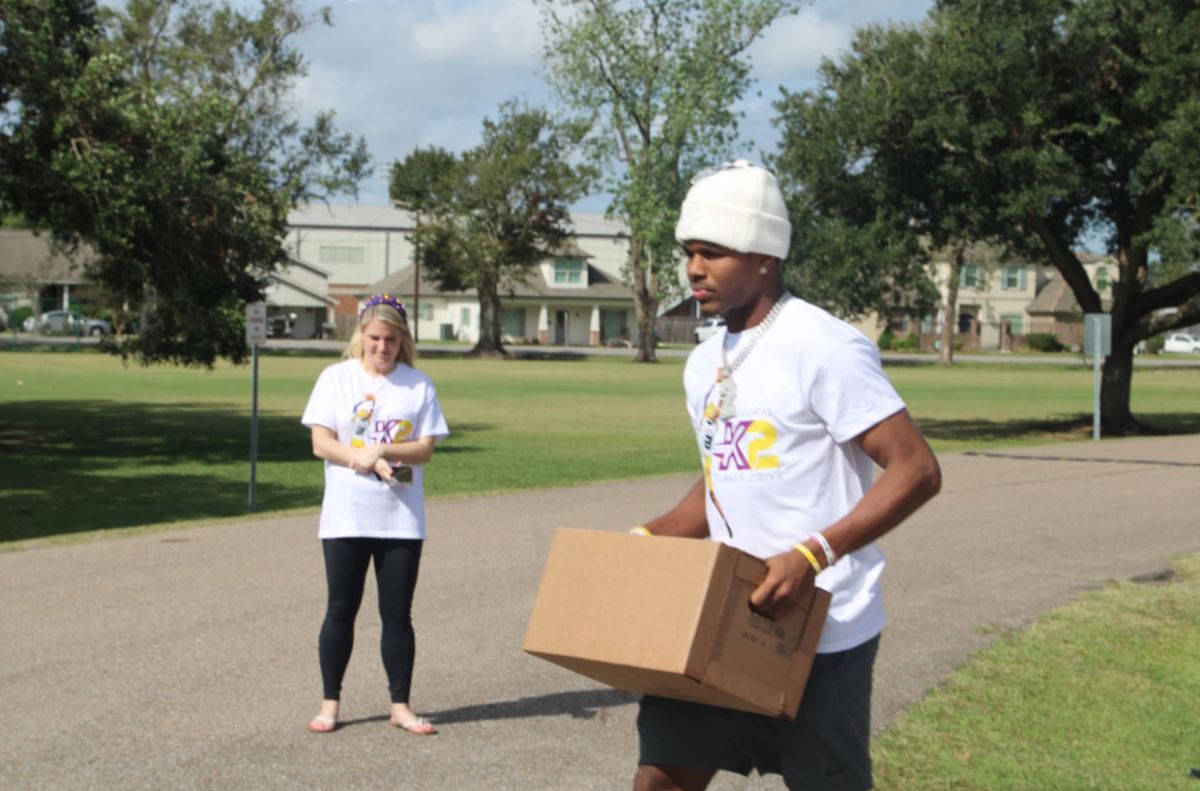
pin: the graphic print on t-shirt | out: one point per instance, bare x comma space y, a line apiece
369, 428
361, 421
745, 446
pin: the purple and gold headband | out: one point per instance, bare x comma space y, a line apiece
384, 299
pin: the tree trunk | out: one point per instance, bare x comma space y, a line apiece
489, 321
950, 309
645, 300
1116, 381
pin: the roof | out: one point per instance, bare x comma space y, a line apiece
568, 249
315, 295
23, 253
595, 224
390, 218
351, 215
300, 262
1057, 298
600, 286
1095, 258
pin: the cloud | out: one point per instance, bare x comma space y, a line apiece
420, 72
410, 73
793, 47
505, 32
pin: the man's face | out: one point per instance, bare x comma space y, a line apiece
722, 280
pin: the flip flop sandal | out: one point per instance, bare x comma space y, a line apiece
419, 727
321, 724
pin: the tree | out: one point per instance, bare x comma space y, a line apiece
499, 210
860, 153
656, 80
1064, 119
162, 138
415, 185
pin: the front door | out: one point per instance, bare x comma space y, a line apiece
562, 327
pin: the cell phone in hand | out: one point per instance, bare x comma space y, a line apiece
402, 475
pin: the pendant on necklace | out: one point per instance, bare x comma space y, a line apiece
728, 390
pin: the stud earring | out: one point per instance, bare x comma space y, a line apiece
762, 270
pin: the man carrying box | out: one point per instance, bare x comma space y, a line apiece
792, 411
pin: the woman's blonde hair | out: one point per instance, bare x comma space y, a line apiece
388, 310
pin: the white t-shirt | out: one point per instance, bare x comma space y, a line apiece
786, 465
359, 408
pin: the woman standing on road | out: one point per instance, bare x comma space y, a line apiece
374, 420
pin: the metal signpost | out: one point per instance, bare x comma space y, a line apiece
256, 335
1097, 341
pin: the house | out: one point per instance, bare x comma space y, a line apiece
1000, 302
34, 273
565, 301
298, 301
574, 297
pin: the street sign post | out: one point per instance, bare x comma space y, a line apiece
1097, 341
256, 335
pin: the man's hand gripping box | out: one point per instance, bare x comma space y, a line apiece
671, 617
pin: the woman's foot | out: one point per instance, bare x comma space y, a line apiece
326, 721
403, 717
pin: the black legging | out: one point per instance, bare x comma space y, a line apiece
396, 564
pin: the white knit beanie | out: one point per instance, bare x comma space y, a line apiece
738, 206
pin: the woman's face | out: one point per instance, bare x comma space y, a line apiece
381, 346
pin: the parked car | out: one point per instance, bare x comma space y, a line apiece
1182, 343
708, 329
69, 322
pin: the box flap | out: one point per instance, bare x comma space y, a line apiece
621, 599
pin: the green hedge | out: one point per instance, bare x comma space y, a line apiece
1044, 342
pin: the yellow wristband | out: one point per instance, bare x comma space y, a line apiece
812, 559
641, 531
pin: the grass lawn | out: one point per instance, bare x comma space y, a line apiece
1103, 693
88, 444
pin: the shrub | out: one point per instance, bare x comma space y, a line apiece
912, 343
17, 316
887, 339
1043, 342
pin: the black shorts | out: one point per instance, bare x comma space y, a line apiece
826, 748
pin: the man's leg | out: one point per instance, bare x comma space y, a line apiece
671, 778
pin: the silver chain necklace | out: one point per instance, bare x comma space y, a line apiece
728, 388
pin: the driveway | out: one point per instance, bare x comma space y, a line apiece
187, 659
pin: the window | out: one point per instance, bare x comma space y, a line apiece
1102, 281
567, 271
1016, 323
1013, 278
333, 254
465, 317
968, 277
612, 325
425, 312
514, 322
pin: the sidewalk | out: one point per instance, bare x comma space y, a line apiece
188, 659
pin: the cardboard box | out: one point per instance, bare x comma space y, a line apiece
671, 617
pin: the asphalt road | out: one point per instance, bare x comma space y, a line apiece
187, 659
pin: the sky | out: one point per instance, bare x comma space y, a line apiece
406, 74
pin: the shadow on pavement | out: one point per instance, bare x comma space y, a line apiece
580, 705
